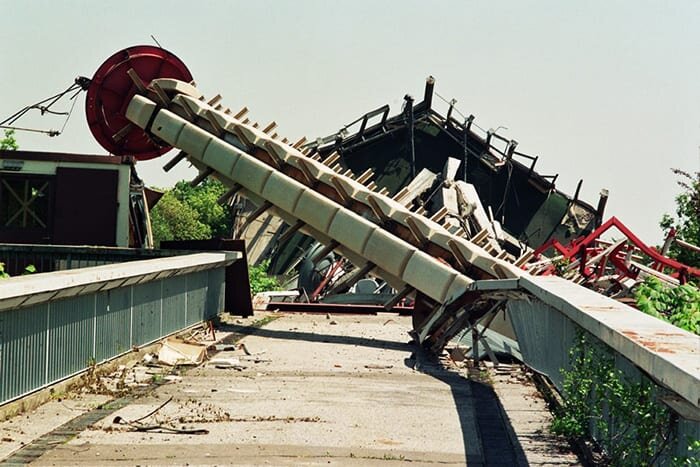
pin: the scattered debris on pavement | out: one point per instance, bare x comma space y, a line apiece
379, 367
154, 427
227, 362
176, 352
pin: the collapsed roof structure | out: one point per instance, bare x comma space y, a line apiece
477, 180
526, 203
441, 166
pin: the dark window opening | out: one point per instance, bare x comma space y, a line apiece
25, 207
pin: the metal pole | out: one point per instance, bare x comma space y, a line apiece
411, 142
466, 152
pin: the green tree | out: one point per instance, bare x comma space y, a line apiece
202, 199
687, 219
679, 306
172, 219
191, 213
260, 281
9, 142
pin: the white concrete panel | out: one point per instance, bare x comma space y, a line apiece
252, 136
440, 236
388, 252
351, 230
315, 168
168, 126
482, 260
283, 192
386, 206
428, 228
221, 156
316, 210
193, 140
194, 105
140, 110
460, 284
280, 149
350, 186
251, 173
429, 276
174, 86
221, 118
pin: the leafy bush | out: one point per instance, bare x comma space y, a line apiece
622, 414
191, 213
260, 280
173, 219
30, 269
9, 143
687, 219
203, 199
679, 306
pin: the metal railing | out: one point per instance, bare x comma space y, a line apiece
55, 325
50, 258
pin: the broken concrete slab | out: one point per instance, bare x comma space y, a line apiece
174, 352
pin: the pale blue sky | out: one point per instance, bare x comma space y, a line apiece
607, 91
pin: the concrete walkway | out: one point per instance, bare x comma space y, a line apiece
317, 390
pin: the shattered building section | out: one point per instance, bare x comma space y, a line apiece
376, 232
440, 166
525, 203
477, 182
410, 221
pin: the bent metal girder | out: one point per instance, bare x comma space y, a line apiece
342, 211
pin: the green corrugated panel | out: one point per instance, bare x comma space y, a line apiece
101, 325
113, 323
22, 351
546, 220
174, 306
535, 322
71, 335
146, 313
215, 292
196, 296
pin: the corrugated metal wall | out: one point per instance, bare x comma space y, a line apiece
42, 344
113, 323
23, 337
70, 336
176, 304
534, 323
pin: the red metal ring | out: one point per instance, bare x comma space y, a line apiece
111, 91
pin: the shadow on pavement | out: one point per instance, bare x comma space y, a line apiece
315, 337
489, 438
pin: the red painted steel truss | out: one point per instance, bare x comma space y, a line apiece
593, 258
